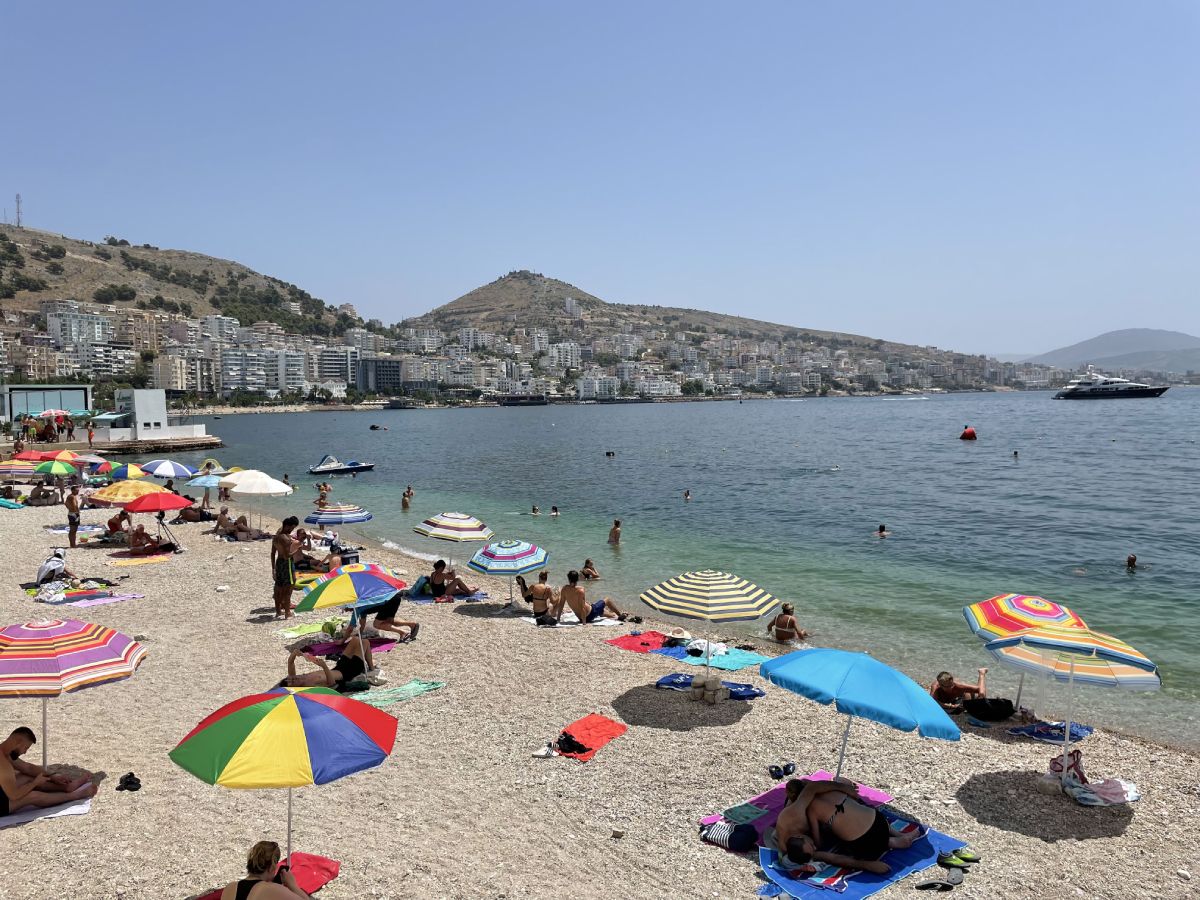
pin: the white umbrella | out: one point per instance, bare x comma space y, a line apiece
258, 484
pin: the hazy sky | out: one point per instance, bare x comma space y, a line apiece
983, 176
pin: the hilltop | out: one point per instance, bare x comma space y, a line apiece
39, 265
533, 300
1130, 348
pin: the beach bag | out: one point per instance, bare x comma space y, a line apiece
1074, 766
989, 709
545, 621
567, 744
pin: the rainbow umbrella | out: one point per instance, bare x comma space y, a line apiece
1076, 654
286, 738
16, 468
101, 468
510, 558
61, 656
1006, 614
128, 471
55, 467
352, 584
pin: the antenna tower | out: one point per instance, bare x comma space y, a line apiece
18, 210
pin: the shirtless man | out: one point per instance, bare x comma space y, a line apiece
831, 812
283, 548
71, 502
950, 693
614, 533
572, 595
23, 784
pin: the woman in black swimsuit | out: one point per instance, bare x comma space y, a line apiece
444, 581
264, 882
354, 662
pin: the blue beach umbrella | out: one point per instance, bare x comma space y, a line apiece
344, 514
167, 468
860, 685
509, 558
204, 481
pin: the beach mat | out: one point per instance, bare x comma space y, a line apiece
646, 642
310, 871
76, 808
775, 798
381, 697
427, 599
732, 661
83, 529
378, 645
737, 690
593, 731
1051, 732
119, 561
853, 884
570, 620
104, 599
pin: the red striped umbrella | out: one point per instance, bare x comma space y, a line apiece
47, 659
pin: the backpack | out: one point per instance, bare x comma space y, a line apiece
989, 709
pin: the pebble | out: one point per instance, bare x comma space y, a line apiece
1184, 874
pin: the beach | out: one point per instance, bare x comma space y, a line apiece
462, 809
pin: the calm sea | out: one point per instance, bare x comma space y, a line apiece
789, 493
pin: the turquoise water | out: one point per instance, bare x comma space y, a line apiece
789, 493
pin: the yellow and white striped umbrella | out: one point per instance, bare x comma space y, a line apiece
454, 526
715, 596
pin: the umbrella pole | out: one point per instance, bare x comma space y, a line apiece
1020, 687
289, 833
1067, 722
845, 740
45, 744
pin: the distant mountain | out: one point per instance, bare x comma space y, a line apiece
1101, 351
533, 300
1178, 361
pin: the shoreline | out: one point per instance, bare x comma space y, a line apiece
510, 688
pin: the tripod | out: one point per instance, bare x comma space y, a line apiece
161, 518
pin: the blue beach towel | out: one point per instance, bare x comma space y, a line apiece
477, 597
737, 691
673, 652
732, 661
921, 855
1051, 732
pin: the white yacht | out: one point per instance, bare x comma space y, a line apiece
1094, 386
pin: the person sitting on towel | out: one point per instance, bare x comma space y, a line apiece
951, 694
54, 568
265, 878
23, 784
541, 595
831, 813
141, 542
443, 581
572, 595
355, 661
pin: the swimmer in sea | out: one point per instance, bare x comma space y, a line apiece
882, 532
1131, 562
554, 511
687, 496
535, 511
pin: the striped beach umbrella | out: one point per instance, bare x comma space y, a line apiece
715, 596
1006, 614
509, 559
121, 492
52, 413
351, 584
1076, 655
128, 471
454, 526
339, 514
61, 656
286, 738
16, 468
67, 456
54, 467
167, 468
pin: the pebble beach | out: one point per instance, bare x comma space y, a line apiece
461, 808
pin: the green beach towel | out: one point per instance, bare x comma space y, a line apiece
387, 696
298, 631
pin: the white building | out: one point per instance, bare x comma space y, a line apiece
76, 327
141, 415
598, 387
338, 364
220, 329
566, 355
286, 370
243, 369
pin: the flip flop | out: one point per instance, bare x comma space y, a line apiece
935, 885
951, 861
967, 855
775, 772
789, 769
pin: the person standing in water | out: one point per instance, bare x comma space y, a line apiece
614, 533
882, 531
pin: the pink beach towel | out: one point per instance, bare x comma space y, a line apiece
775, 799
310, 871
639, 643
378, 645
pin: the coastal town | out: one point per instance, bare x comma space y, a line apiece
570, 357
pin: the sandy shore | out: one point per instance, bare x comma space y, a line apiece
461, 809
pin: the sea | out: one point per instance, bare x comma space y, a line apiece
788, 494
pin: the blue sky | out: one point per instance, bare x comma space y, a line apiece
988, 177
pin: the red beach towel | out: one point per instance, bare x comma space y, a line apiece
639, 643
593, 731
310, 871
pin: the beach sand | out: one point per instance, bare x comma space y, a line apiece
461, 809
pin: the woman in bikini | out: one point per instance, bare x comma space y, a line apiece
589, 571
784, 627
263, 882
831, 813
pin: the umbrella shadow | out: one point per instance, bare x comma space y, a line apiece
1010, 800
262, 618
652, 707
488, 609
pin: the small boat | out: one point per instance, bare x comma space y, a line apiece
1094, 386
331, 465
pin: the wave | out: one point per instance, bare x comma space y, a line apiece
408, 551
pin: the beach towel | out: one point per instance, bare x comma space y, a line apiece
71, 808
1051, 732
679, 653
737, 690
9, 504
854, 883
569, 620
298, 631
593, 731
645, 642
426, 599
102, 598
139, 561
732, 661
1109, 792
83, 529
310, 871
381, 697
378, 645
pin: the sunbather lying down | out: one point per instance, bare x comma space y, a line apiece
355, 660
823, 815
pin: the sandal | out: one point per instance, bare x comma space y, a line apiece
775, 772
789, 769
935, 884
952, 861
967, 855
